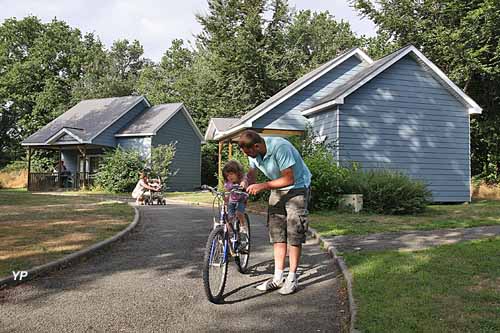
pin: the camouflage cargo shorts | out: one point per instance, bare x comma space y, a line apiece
287, 216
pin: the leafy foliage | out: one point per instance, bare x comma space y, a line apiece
45, 68
387, 192
247, 51
119, 171
161, 160
39, 63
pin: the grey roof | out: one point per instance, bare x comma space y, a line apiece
222, 124
358, 77
218, 125
86, 119
289, 88
152, 119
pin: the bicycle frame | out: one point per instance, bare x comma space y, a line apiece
223, 220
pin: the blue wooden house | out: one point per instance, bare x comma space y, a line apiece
82, 133
400, 112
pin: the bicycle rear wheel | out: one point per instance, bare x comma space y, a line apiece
215, 265
244, 249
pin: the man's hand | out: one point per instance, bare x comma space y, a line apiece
256, 188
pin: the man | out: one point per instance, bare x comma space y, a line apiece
290, 184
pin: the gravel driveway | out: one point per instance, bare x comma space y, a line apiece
152, 282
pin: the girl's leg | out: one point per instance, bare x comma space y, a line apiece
241, 218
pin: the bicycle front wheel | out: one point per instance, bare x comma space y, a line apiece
244, 247
215, 265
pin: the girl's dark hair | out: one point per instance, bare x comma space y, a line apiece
234, 167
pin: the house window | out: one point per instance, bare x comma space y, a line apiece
93, 163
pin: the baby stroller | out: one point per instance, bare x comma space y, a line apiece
155, 197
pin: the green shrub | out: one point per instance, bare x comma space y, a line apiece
15, 166
209, 160
119, 171
161, 159
44, 161
326, 179
387, 192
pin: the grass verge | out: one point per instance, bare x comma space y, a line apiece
478, 213
36, 229
451, 288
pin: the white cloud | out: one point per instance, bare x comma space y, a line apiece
155, 23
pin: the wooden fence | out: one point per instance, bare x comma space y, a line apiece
46, 182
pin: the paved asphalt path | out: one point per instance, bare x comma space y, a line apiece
152, 282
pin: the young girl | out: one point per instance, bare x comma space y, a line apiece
234, 176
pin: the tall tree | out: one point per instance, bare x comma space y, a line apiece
463, 39
39, 63
314, 38
111, 73
233, 42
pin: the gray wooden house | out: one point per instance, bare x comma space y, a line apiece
82, 133
400, 112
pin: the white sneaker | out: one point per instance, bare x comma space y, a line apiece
289, 287
271, 285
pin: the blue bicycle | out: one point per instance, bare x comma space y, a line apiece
227, 240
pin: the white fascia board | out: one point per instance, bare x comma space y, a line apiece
234, 130
32, 144
473, 105
475, 110
133, 134
356, 52
209, 129
59, 134
321, 107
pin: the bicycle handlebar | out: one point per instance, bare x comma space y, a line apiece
215, 191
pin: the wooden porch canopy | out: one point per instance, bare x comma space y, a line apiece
81, 148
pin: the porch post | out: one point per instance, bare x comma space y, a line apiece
230, 149
29, 168
221, 145
59, 178
84, 167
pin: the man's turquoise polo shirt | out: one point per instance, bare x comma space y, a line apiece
281, 155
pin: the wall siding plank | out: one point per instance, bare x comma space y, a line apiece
187, 159
405, 120
287, 115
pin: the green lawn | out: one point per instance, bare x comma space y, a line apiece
451, 288
478, 213
194, 197
36, 229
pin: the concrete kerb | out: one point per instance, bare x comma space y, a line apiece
72, 258
332, 251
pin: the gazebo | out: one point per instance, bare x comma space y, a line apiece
220, 130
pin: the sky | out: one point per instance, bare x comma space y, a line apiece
155, 23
